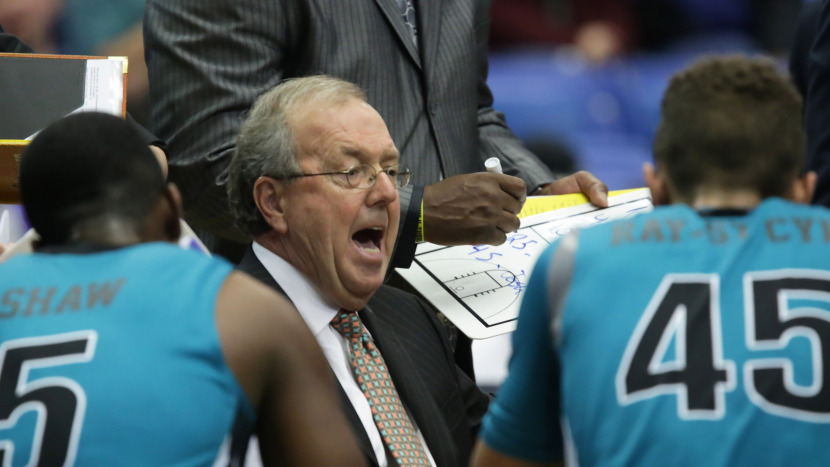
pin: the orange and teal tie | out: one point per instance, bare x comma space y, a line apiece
397, 431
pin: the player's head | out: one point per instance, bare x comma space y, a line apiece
266, 142
323, 193
730, 124
91, 177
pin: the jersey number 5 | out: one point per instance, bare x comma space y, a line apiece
686, 307
60, 402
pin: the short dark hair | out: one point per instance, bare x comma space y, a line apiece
84, 167
731, 122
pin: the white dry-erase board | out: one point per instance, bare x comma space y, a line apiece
479, 288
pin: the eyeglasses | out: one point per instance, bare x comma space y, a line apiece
364, 176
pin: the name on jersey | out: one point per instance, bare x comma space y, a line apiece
720, 231
19, 301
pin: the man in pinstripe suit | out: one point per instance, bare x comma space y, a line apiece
314, 180
422, 64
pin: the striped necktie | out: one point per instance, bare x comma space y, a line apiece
397, 431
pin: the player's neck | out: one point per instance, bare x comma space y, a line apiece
718, 199
115, 232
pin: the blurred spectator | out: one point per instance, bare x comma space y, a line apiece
598, 29
32, 21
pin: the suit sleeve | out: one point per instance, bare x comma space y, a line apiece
495, 137
410, 198
149, 138
207, 63
817, 108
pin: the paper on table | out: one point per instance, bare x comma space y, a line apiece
104, 90
479, 288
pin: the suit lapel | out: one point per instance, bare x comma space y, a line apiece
253, 266
393, 17
411, 389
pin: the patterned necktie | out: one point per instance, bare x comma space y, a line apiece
373, 378
408, 14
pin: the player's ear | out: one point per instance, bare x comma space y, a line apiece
172, 225
803, 188
656, 183
269, 196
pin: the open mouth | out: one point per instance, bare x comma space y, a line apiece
369, 239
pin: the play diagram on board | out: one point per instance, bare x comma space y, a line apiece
479, 288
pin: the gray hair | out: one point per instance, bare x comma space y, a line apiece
266, 146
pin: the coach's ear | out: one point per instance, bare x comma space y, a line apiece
803, 188
269, 196
656, 183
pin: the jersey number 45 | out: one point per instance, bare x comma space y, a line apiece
686, 310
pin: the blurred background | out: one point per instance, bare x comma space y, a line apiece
578, 80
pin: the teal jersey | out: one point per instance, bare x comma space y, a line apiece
113, 358
676, 338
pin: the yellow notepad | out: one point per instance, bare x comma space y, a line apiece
539, 204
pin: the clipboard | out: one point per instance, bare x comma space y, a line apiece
479, 287
38, 89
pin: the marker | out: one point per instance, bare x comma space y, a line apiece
493, 165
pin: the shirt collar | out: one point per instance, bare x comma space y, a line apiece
314, 309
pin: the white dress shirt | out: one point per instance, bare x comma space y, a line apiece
317, 315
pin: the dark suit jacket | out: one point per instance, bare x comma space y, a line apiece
805, 34
810, 65
209, 60
445, 403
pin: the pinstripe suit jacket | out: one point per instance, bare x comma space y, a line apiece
445, 403
209, 60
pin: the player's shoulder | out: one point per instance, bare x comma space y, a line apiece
241, 288
778, 206
174, 263
253, 319
156, 251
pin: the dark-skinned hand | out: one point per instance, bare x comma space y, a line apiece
473, 209
580, 182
